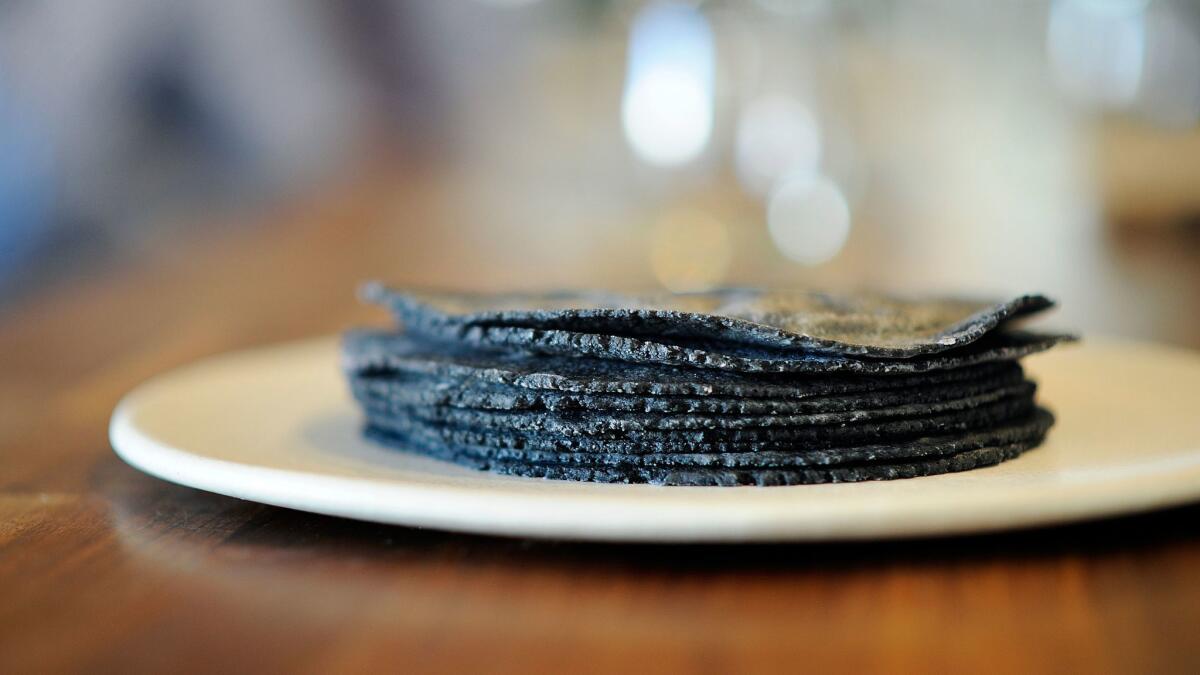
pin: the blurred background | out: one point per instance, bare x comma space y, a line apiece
935, 146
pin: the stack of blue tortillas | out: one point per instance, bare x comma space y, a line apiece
730, 387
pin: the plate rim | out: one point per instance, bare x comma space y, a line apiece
502, 511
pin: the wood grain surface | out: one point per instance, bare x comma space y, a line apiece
103, 569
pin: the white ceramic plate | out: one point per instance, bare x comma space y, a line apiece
277, 426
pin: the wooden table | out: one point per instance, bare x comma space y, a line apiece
103, 569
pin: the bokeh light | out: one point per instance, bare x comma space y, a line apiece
808, 218
667, 106
1170, 86
776, 135
1096, 49
690, 250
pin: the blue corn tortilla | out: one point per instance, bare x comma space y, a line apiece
716, 440
871, 325
614, 424
1026, 428
730, 387
922, 457
1001, 346
379, 351
403, 389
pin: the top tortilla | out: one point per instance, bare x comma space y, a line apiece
865, 325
